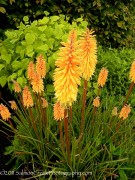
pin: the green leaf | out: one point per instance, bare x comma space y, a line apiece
47, 67
51, 62
30, 38
58, 33
123, 175
54, 18
9, 150
50, 88
29, 50
3, 80
12, 77
19, 72
120, 24
16, 64
6, 57
43, 47
2, 10
84, 24
69, 1
20, 80
46, 13
25, 18
43, 21
1, 66
20, 51
42, 28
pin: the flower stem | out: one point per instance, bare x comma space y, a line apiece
83, 106
66, 133
32, 119
70, 123
70, 119
129, 92
70, 114
95, 108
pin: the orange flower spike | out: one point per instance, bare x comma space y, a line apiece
41, 66
13, 105
31, 70
37, 83
96, 102
45, 103
68, 72
17, 87
102, 77
58, 112
125, 112
88, 53
132, 72
4, 112
27, 98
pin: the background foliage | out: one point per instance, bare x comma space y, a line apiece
113, 21
44, 36
25, 44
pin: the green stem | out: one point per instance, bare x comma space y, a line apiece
95, 108
83, 106
33, 123
35, 129
70, 119
12, 127
61, 135
70, 122
66, 133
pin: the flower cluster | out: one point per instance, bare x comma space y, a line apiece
132, 72
96, 102
67, 74
4, 112
58, 112
27, 98
13, 105
36, 74
102, 77
88, 54
125, 112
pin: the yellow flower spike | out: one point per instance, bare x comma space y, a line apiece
41, 66
96, 102
58, 112
102, 77
37, 83
115, 111
68, 72
17, 87
31, 70
4, 112
45, 103
27, 98
88, 53
125, 112
132, 72
13, 105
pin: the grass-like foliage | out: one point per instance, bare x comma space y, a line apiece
80, 137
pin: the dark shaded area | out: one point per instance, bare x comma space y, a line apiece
5, 139
112, 21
